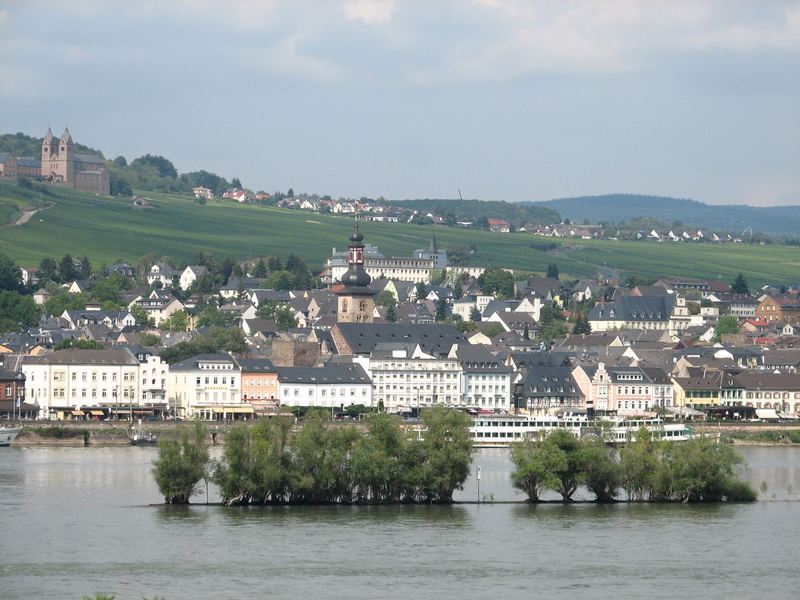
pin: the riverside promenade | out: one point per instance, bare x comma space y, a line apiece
115, 433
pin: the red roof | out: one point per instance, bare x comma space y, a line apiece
496, 222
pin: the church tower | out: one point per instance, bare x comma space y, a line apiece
49, 145
65, 166
356, 301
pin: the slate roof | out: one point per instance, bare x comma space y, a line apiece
436, 339
191, 363
28, 161
475, 358
768, 381
528, 360
89, 158
255, 365
332, 372
109, 356
634, 308
550, 381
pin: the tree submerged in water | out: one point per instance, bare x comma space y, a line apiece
325, 464
181, 465
649, 470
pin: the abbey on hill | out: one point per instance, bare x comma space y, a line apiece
60, 165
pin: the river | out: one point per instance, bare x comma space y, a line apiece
76, 521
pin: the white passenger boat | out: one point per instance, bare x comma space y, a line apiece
503, 430
8, 435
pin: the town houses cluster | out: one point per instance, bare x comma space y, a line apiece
399, 334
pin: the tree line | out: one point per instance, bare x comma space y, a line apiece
271, 463
646, 469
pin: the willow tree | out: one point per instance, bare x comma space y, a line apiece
181, 465
531, 474
447, 453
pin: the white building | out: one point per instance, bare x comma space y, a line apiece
405, 377
207, 387
485, 380
76, 381
163, 273
334, 386
191, 274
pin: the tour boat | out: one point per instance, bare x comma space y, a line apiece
8, 435
503, 430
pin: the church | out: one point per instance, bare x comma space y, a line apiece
62, 165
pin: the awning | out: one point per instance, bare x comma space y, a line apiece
232, 409
77, 413
766, 413
97, 413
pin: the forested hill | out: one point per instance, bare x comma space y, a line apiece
150, 173
19, 144
514, 212
731, 217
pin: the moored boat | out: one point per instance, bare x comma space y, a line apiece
8, 435
143, 438
503, 430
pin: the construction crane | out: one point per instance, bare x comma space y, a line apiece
750, 229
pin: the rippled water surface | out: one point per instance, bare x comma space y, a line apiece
75, 521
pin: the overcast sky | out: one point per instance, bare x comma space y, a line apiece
506, 100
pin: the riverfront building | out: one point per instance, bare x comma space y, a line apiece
86, 383
207, 387
333, 385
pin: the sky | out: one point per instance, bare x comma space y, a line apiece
503, 100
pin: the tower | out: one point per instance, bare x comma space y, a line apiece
48, 145
65, 167
355, 300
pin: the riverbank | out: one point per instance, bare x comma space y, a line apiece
114, 433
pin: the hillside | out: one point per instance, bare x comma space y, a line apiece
105, 228
730, 217
456, 210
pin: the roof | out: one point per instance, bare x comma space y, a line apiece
255, 365
547, 381
109, 356
434, 339
634, 308
769, 381
332, 372
192, 362
89, 158
475, 358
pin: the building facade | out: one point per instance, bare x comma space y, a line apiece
207, 387
60, 164
66, 383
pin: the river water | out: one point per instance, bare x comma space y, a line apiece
76, 521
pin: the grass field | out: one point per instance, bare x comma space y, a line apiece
107, 228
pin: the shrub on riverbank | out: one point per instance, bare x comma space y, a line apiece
320, 464
649, 470
57, 432
181, 464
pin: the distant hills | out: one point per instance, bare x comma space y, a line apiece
729, 217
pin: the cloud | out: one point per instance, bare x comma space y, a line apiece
597, 36
287, 58
369, 11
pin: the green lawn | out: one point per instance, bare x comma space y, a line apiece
107, 228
